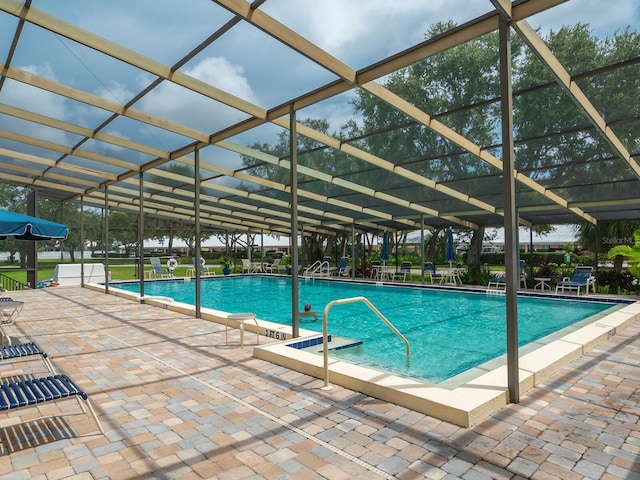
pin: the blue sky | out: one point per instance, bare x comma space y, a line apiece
245, 61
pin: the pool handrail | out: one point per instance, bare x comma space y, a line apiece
319, 268
325, 329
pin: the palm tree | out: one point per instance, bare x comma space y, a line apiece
606, 235
632, 254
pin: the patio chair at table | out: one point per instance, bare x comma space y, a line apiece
376, 270
341, 267
501, 281
430, 270
248, 266
405, 268
272, 267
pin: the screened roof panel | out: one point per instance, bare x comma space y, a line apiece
397, 111
160, 30
137, 155
342, 28
234, 62
147, 133
188, 108
33, 130
77, 65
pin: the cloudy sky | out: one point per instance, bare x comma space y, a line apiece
244, 61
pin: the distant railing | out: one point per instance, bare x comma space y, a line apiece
12, 284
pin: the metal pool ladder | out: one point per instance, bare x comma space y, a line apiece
325, 334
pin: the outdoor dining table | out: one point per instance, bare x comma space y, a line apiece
256, 267
9, 310
383, 272
451, 276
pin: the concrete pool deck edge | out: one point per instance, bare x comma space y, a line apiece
466, 405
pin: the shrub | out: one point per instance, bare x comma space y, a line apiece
617, 282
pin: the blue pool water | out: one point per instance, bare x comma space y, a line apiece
449, 331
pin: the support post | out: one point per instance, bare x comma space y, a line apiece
82, 240
32, 245
353, 250
141, 233
293, 151
531, 274
422, 249
106, 239
196, 254
510, 217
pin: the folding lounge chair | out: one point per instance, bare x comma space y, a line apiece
581, 277
501, 282
405, 267
204, 270
156, 268
26, 393
22, 350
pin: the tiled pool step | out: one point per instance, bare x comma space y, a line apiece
314, 344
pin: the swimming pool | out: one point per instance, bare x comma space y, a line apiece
449, 331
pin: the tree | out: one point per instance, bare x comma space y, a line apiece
570, 150
313, 155
123, 228
441, 85
179, 170
69, 214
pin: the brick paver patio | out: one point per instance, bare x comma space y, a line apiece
177, 403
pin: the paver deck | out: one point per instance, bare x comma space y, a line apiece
177, 403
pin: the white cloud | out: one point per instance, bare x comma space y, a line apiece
603, 19
374, 29
221, 73
38, 101
181, 105
115, 92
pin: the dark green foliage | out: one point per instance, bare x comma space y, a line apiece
618, 282
476, 276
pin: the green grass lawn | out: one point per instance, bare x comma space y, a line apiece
121, 269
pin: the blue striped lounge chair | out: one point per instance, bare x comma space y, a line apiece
582, 277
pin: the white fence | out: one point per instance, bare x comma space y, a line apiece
4, 256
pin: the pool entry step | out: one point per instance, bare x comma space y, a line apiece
314, 344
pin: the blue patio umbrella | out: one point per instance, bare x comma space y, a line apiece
384, 255
450, 253
24, 227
